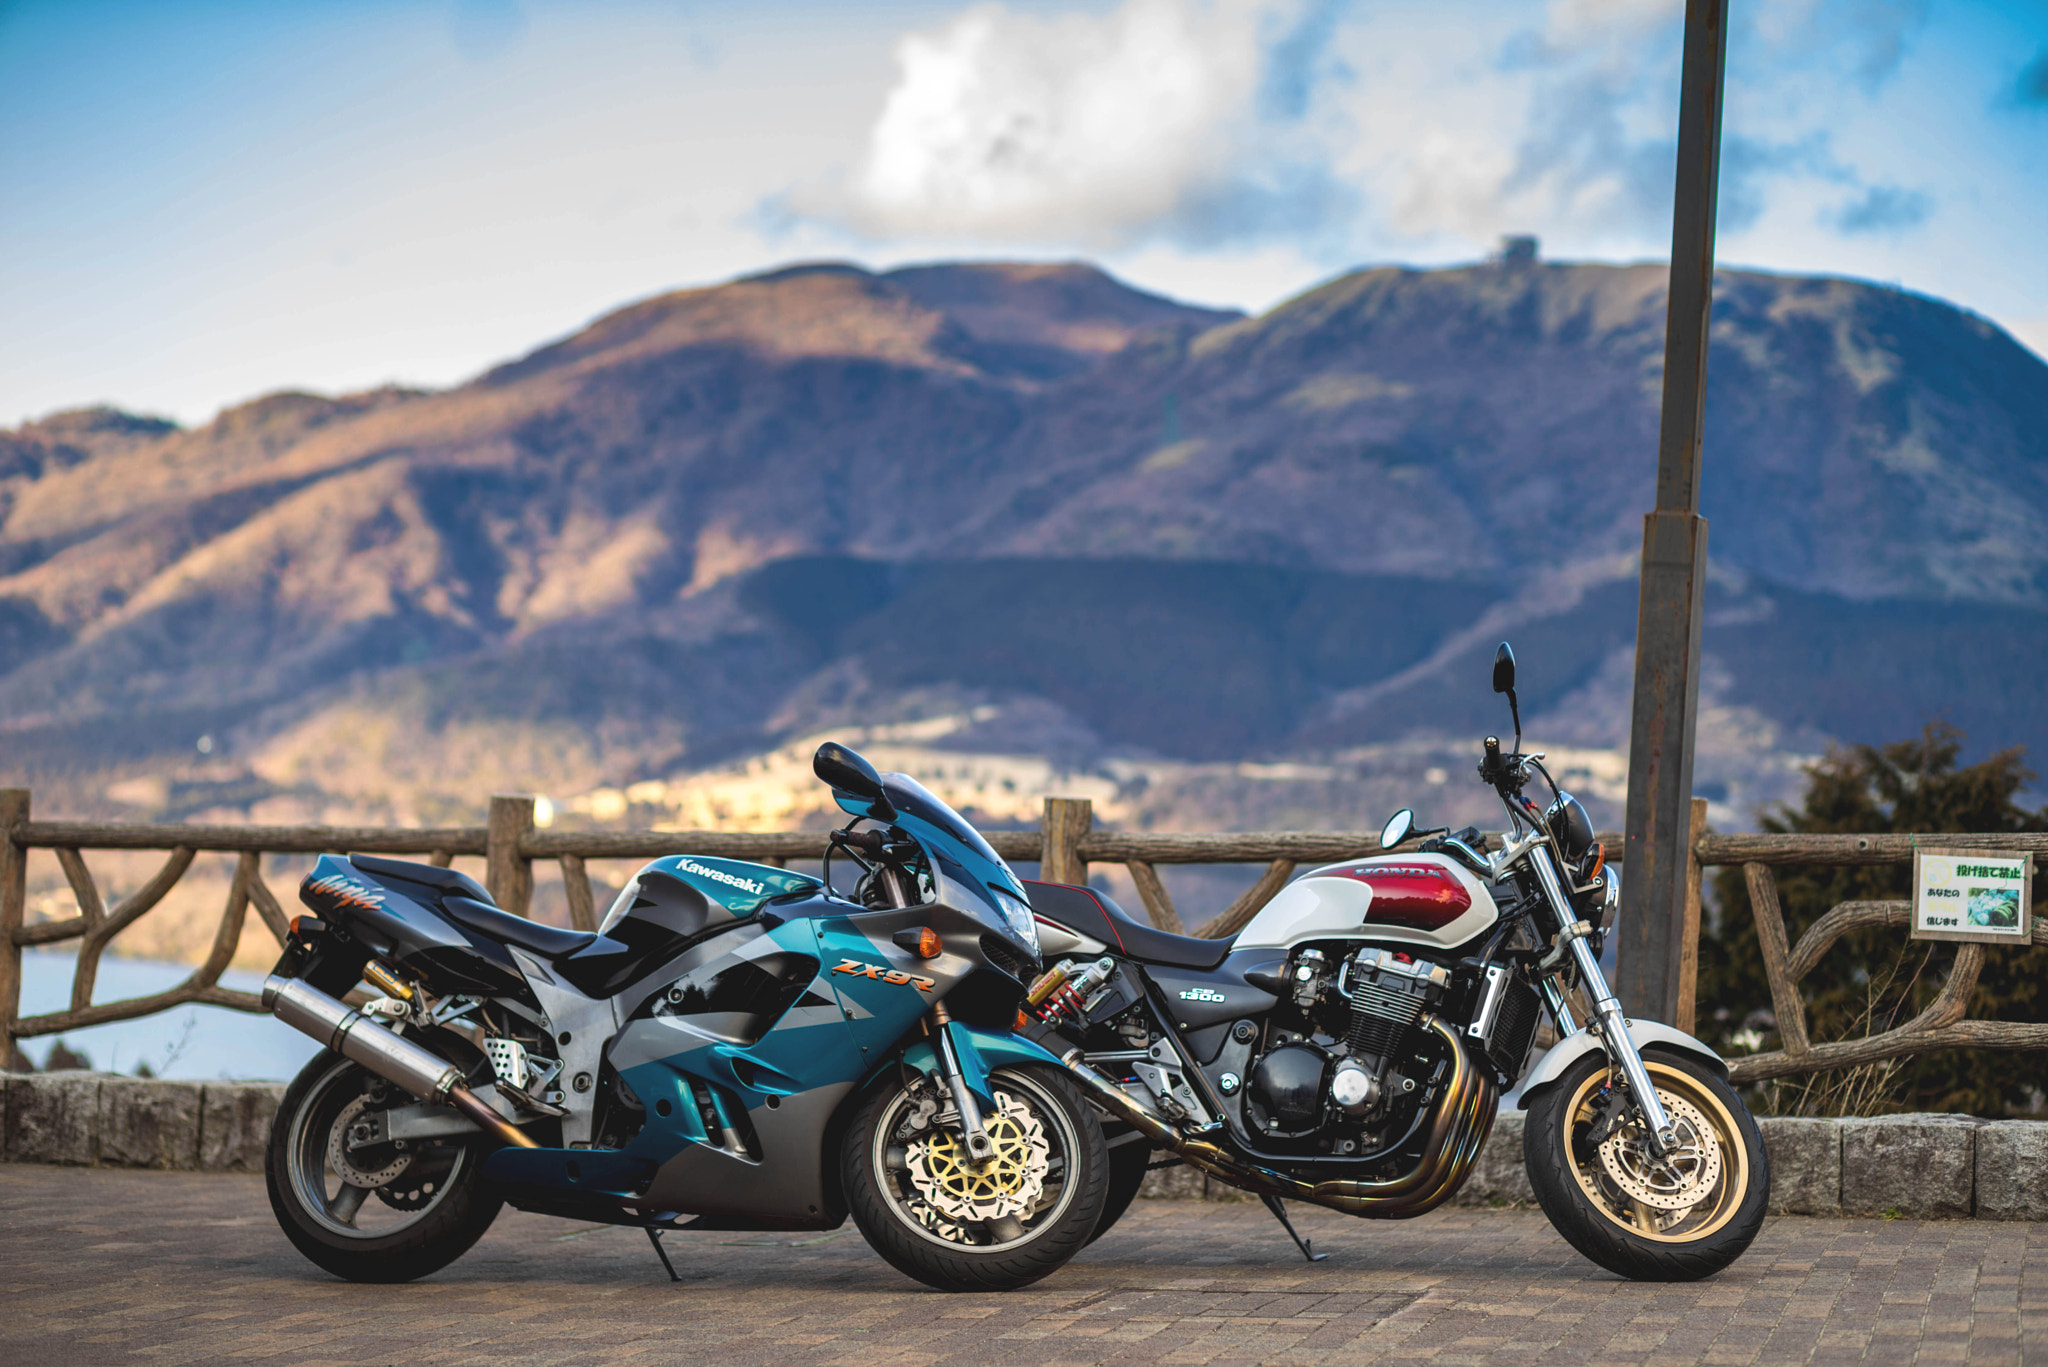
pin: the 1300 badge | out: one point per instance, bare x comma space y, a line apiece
1202, 994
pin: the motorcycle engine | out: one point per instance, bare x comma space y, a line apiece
1341, 1078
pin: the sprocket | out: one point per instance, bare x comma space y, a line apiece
420, 1183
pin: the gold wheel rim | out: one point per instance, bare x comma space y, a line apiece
1725, 1195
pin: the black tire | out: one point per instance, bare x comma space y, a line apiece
954, 1251
429, 1211
1128, 1164
1725, 1189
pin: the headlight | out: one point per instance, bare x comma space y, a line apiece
1570, 827
1019, 917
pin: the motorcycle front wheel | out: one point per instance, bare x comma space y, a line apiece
961, 1226
376, 1211
1678, 1219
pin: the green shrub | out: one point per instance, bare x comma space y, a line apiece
1874, 980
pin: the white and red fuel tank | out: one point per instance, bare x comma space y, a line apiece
1417, 899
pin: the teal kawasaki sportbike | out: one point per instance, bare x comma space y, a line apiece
736, 1047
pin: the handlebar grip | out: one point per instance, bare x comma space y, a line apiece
1490, 761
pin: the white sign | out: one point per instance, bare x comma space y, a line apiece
1975, 895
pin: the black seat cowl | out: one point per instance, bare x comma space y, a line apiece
446, 882
1096, 915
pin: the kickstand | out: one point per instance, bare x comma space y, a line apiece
1280, 1214
654, 1237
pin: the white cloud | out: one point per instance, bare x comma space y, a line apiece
1083, 127
1238, 122
1345, 132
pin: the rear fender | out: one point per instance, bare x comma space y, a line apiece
1647, 1035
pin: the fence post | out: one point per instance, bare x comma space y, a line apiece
508, 874
1068, 820
13, 912
1686, 1016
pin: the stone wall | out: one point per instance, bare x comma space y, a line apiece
1929, 1167
1916, 1166
123, 1122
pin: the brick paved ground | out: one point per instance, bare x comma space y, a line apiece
106, 1266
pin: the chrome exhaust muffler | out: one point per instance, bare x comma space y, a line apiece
354, 1036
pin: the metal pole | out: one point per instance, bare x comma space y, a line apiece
1650, 930
14, 811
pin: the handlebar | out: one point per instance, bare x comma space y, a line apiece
1492, 767
877, 843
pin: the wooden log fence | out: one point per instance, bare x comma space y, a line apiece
1065, 847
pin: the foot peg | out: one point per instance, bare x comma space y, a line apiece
528, 1101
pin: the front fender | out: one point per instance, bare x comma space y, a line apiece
1646, 1034
980, 1052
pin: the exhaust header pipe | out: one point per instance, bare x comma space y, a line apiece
1463, 1118
355, 1036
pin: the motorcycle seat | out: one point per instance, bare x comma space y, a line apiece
1096, 915
547, 941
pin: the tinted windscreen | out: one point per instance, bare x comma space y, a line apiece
914, 799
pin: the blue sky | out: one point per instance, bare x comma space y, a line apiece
207, 201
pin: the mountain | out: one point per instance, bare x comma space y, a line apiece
1238, 570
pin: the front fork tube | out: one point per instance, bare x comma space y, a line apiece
980, 1148
1607, 1014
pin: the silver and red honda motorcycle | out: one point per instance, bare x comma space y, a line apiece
1350, 1046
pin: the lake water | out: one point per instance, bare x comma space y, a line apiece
191, 1042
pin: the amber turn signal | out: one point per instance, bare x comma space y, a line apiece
922, 941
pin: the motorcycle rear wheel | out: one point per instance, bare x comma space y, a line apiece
1672, 1222
1128, 1164
429, 1204
1004, 1225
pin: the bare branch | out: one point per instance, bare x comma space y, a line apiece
125, 914
266, 905
1840, 920
1152, 892
1240, 912
1770, 935
576, 883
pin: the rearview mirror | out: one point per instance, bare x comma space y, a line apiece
1397, 829
1504, 669
845, 771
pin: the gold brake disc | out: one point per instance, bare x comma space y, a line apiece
1008, 1185
1686, 1174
